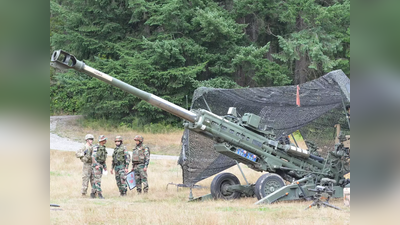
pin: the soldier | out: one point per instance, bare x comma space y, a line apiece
84, 154
99, 156
140, 162
120, 161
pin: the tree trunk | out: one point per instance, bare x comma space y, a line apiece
242, 20
300, 70
269, 53
240, 77
252, 29
301, 65
146, 26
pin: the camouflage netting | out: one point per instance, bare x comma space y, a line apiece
322, 101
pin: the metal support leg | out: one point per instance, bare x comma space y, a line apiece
241, 172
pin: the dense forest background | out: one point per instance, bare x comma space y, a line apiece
169, 48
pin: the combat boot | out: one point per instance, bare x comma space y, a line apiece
83, 194
93, 195
100, 195
139, 191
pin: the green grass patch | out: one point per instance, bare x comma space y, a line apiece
226, 209
263, 209
175, 169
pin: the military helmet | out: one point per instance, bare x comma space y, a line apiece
138, 138
102, 138
89, 136
118, 138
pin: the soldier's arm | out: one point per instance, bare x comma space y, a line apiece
112, 160
105, 165
105, 161
147, 157
81, 152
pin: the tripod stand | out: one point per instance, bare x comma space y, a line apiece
322, 192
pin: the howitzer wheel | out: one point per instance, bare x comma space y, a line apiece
267, 184
220, 184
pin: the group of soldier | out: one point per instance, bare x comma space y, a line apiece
94, 162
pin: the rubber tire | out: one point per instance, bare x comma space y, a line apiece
267, 184
220, 182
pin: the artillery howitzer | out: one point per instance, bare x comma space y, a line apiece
241, 139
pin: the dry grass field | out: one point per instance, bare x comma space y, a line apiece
170, 205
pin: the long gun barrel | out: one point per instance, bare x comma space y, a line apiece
63, 60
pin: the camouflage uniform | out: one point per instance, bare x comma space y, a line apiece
120, 162
98, 159
84, 154
140, 160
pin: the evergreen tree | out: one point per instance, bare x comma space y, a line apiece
318, 31
169, 48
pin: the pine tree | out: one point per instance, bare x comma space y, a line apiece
169, 48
